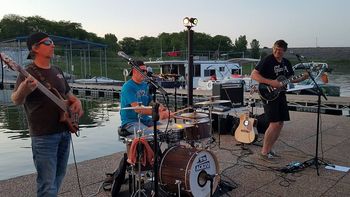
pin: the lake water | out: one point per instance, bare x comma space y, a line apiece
98, 136
98, 131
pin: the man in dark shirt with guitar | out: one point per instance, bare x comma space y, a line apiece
272, 73
48, 126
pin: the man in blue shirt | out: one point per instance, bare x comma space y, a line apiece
135, 93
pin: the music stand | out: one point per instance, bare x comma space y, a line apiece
315, 160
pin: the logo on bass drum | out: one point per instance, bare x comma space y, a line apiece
202, 163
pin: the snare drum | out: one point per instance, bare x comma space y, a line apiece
187, 165
174, 132
200, 130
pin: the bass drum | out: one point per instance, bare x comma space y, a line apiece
189, 166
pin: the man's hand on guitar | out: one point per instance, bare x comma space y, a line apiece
75, 105
275, 83
77, 108
28, 85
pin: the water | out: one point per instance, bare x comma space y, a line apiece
98, 136
342, 79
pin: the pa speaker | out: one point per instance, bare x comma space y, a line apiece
233, 91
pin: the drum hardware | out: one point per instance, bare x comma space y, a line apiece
139, 184
178, 183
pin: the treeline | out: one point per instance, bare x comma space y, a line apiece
165, 44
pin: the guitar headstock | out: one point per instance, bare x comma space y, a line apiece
9, 63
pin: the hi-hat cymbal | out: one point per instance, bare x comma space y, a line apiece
137, 107
212, 102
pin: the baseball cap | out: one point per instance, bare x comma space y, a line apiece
138, 63
33, 39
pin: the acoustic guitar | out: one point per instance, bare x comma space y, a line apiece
246, 131
269, 93
66, 115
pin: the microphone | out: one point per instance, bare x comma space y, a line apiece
296, 54
125, 56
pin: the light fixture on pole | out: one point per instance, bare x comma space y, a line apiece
189, 23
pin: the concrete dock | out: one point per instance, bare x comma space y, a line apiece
242, 168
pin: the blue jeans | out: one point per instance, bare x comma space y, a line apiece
50, 156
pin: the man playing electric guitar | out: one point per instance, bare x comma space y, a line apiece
267, 71
50, 136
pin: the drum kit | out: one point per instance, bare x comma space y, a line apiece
186, 167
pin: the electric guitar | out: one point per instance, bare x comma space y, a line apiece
269, 93
246, 131
66, 116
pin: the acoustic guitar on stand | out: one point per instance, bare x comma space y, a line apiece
66, 116
246, 131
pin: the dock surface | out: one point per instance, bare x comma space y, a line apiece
243, 168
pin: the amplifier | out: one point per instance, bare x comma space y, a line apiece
233, 91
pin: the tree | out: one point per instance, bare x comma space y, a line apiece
148, 46
241, 44
112, 42
223, 43
255, 47
129, 45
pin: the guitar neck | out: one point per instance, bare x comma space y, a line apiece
287, 81
45, 91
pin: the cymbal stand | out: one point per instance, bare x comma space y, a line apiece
211, 107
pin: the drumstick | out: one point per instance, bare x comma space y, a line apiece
181, 110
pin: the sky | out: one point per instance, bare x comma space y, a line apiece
302, 23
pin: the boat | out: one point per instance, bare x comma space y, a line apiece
99, 80
320, 72
206, 72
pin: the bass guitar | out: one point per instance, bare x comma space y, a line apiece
66, 115
246, 131
269, 93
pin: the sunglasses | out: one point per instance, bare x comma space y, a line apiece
46, 42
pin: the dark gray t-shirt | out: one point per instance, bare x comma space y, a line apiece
270, 68
43, 115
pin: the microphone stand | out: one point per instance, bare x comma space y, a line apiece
155, 116
315, 161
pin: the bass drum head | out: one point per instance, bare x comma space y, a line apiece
188, 165
203, 161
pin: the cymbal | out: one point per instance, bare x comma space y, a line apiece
213, 102
194, 115
137, 107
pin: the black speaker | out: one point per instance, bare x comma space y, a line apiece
228, 124
233, 91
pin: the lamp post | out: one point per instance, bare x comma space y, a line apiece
189, 23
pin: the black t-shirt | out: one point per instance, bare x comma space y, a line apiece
270, 68
43, 115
